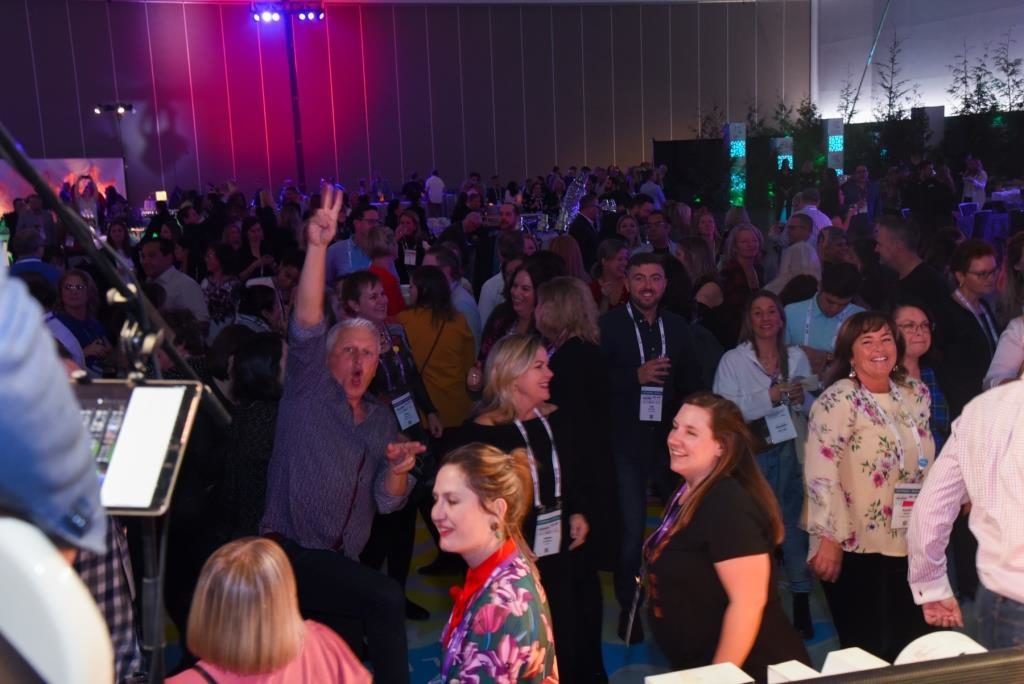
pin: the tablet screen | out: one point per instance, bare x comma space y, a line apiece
135, 461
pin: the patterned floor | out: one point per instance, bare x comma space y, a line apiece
624, 666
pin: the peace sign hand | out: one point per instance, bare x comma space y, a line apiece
323, 224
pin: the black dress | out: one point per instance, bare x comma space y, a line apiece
688, 601
570, 582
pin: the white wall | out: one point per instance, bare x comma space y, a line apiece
934, 32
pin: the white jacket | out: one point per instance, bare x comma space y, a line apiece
741, 379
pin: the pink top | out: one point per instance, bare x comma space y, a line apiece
324, 658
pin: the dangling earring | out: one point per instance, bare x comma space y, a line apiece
853, 373
497, 531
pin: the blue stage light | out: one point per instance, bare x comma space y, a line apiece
256, 17
276, 16
302, 16
266, 16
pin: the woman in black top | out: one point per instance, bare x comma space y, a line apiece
515, 414
712, 593
256, 377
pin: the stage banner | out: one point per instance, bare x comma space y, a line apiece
57, 172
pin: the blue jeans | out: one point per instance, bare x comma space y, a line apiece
784, 473
1000, 620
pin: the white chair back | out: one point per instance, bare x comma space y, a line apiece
48, 616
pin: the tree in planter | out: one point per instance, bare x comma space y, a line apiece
1009, 75
756, 124
973, 84
710, 125
847, 98
782, 116
983, 84
899, 95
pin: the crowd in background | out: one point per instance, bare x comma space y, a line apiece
841, 343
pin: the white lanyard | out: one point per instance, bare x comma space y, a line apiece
981, 316
556, 467
639, 341
807, 324
897, 396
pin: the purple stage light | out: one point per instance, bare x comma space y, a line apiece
266, 16
276, 16
302, 16
321, 15
256, 17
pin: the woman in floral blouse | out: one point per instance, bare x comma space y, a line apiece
500, 626
869, 448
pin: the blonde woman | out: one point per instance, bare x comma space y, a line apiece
516, 413
245, 624
566, 247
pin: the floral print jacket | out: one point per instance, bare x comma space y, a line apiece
508, 635
854, 462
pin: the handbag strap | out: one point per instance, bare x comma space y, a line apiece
207, 677
437, 339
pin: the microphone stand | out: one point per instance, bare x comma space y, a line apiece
144, 331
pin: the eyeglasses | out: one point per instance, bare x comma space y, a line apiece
72, 286
984, 275
909, 328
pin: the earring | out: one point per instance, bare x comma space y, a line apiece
497, 531
853, 373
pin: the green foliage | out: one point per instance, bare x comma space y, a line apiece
898, 95
711, 123
974, 86
847, 98
1008, 82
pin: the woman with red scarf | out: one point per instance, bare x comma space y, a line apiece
500, 627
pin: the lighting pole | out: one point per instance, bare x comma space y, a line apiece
118, 109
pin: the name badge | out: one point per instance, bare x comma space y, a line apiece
903, 499
548, 539
780, 425
405, 411
410, 257
650, 404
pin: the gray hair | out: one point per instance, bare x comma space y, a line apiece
354, 323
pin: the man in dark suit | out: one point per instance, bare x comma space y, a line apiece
649, 354
585, 229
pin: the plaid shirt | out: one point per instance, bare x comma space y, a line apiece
939, 421
108, 577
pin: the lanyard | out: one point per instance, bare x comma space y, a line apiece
639, 341
897, 397
982, 317
807, 323
556, 467
455, 642
390, 346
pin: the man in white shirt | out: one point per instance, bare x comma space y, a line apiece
510, 253
982, 464
975, 180
157, 259
806, 202
435, 195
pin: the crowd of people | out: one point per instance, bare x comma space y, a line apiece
784, 393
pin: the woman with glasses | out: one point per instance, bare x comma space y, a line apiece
971, 332
915, 328
77, 302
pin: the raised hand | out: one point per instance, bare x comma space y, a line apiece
323, 224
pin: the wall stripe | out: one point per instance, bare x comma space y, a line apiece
156, 104
192, 100
231, 125
35, 79
74, 68
430, 89
330, 82
366, 100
